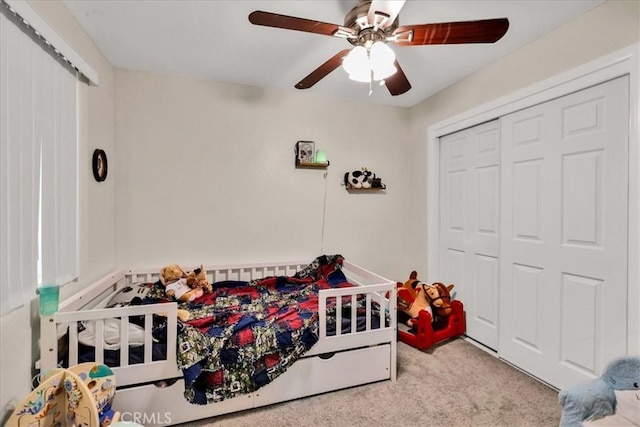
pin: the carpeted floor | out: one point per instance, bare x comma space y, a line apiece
452, 384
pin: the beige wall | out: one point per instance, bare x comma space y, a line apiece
206, 175
19, 330
609, 27
215, 160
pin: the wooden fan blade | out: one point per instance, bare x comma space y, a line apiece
322, 71
269, 19
483, 31
384, 8
398, 82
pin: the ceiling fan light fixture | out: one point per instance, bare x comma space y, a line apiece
382, 60
361, 62
384, 72
357, 62
380, 53
363, 77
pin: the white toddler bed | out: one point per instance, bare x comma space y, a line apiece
153, 392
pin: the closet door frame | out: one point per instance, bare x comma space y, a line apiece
620, 63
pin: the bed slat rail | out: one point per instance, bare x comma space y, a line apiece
93, 291
126, 374
124, 338
99, 340
370, 293
220, 273
367, 337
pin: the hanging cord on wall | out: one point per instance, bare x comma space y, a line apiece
324, 213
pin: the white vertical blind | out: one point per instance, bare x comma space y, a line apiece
4, 172
37, 118
59, 173
43, 30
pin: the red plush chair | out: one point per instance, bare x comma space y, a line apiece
425, 332
416, 303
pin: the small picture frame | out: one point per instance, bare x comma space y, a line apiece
99, 165
305, 152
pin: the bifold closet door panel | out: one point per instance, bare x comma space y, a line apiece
564, 233
470, 223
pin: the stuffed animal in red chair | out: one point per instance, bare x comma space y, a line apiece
412, 299
439, 297
431, 314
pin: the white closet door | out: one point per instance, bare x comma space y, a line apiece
564, 234
469, 239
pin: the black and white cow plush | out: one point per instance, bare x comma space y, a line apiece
359, 178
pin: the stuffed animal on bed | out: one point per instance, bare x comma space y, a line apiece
174, 280
197, 279
596, 398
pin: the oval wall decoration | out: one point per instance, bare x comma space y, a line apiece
99, 165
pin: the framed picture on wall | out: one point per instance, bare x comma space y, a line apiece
305, 151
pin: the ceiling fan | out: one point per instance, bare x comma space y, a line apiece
375, 23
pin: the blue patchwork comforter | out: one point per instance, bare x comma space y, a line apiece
243, 335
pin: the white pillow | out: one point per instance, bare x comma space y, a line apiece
111, 334
124, 296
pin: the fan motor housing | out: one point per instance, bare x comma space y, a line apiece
357, 20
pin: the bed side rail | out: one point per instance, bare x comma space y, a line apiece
219, 273
65, 323
95, 291
126, 374
385, 316
87, 296
361, 276
373, 288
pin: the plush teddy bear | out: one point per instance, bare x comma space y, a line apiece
174, 279
197, 279
596, 398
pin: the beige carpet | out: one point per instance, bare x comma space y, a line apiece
452, 384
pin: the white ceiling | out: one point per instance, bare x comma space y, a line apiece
213, 39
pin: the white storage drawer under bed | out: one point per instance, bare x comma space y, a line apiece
308, 376
161, 406
313, 375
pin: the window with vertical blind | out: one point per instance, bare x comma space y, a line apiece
38, 165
